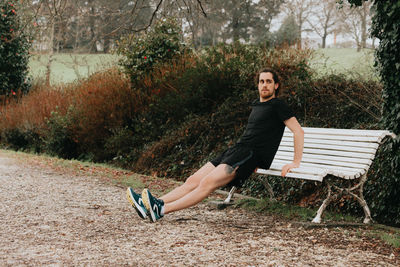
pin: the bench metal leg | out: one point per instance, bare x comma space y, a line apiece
341, 191
230, 195
364, 205
361, 200
266, 184
328, 199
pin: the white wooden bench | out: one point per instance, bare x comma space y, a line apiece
343, 153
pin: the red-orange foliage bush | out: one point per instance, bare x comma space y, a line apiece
30, 111
101, 103
94, 106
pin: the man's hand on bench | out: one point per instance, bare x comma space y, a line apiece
286, 168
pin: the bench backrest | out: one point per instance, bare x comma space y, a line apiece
345, 153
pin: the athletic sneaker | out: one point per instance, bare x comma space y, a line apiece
154, 205
137, 202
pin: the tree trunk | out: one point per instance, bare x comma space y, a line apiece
92, 25
51, 52
300, 22
77, 31
323, 41
364, 27
235, 29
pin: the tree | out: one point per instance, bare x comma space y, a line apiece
52, 20
323, 19
14, 51
288, 33
356, 21
301, 10
190, 13
236, 20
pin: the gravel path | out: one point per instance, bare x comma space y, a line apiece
50, 218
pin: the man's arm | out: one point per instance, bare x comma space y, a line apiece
298, 139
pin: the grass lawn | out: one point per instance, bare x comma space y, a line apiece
345, 60
69, 67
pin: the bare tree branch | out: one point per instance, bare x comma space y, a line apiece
35, 15
202, 9
151, 19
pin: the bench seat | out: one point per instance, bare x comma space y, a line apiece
343, 153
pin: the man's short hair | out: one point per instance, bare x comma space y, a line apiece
274, 76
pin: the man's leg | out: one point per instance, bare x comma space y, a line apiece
219, 176
190, 184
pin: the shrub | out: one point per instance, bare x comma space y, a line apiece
381, 189
142, 52
15, 139
334, 101
59, 139
198, 85
83, 114
14, 51
119, 146
23, 121
198, 139
101, 103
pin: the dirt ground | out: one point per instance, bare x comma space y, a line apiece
53, 217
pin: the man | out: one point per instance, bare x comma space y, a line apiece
256, 148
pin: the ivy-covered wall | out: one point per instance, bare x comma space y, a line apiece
386, 27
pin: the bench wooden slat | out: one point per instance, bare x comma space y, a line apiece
303, 169
333, 147
343, 172
325, 162
318, 165
333, 142
340, 137
350, 132
306, 175
333, 159
337, 153
292, 175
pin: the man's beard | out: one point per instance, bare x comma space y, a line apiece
267, 96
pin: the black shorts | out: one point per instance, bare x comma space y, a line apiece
238, 156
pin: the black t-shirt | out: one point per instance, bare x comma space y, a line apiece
265, 129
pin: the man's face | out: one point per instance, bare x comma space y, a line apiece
266, 86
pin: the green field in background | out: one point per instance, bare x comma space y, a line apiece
346, 61
65, 66
331, 60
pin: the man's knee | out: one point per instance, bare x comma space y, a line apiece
229, 170
216, 180
192, 182
207, 185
